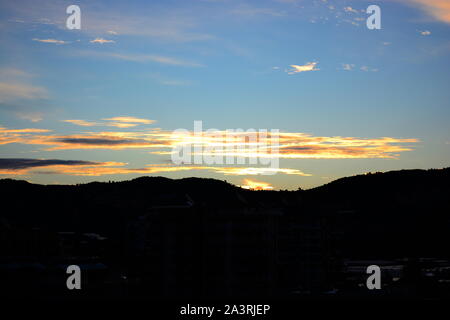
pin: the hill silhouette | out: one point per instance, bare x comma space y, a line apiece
414, 186
225, 237
29, 203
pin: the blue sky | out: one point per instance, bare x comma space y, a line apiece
230, 64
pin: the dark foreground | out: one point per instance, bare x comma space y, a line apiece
189, 239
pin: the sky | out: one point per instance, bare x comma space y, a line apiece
101, 103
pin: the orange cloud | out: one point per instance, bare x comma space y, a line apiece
292, 145
438, 9
28, 130
91, 168
82, 123
256, 185
121, 124
118, 122
130, 119
243, 171
101, 41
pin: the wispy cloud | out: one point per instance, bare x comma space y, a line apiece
351, 67
309, 66
6, 73
425, 33
368, 69
101, 41
13, 91
33, 116
142, 58
20, 97
82, 123
131, 119
14, 85
347, 66
243, 171
350, 9
26, 130
55, 41
118, 122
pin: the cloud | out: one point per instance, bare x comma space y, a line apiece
16, 90
16, 164
21, 166
142, 58
83, 123
438, 9
14, 73
121, 124
118, 122
235, 171
97, 141
158, 59
19, 97
256, 185
292, 145
347, 66
350, 9
425, 33
309, 66
50, 41
260, 170
27, 130
88, 140
351, 67
30, 115
8, 136
367, 69
101, 41
92, 168
170, 26
131, 119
